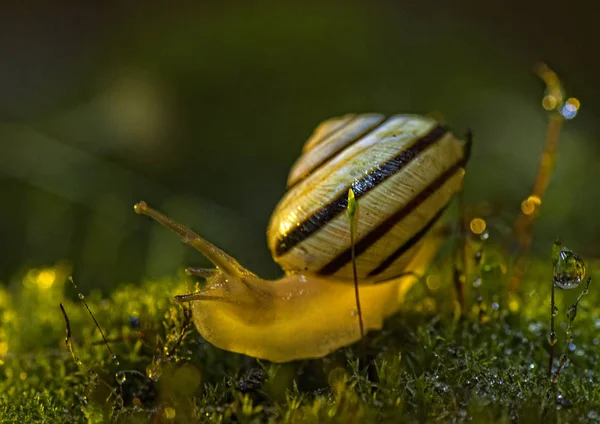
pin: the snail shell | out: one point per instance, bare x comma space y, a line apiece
403, 170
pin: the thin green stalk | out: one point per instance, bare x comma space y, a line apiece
552, 337
352, 207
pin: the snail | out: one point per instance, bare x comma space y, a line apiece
404, 171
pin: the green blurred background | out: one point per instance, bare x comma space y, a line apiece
201, 108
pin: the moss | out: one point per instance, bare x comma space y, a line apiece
427, 364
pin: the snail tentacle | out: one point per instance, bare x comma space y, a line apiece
190, 297
200, 272
219, 258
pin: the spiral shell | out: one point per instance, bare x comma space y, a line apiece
404, 170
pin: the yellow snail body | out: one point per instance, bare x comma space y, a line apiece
404, 171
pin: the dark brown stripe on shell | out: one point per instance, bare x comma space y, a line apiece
410, 243
382, 229
346, 145
377, 175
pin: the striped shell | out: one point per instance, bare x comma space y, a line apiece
403, 170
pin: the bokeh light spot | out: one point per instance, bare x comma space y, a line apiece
574, 102
3, 349
527, 207
46, 278
569, 111
513, 305
433, 282
549, 102
170, 413
477, 225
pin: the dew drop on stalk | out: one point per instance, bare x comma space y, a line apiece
153, 372
569, 269
552, 338
121, 377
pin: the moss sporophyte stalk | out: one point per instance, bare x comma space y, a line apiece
568, 272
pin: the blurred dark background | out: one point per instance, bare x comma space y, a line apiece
201, 108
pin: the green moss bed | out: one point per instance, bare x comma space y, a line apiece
428, 364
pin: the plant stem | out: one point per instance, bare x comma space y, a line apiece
460, 249
571, 314
352, 207
552, 338
523, 226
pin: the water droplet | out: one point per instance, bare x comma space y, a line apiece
552, 339
169, 413
572, 347
121, 377
153, 372
554, 311
531, 366
485, 235
77, 360
495, 306
134, 322
477, 282
114, 359
81, 296
569, 269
